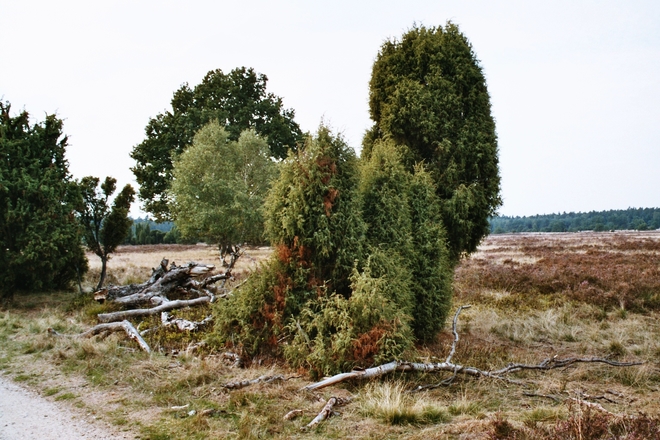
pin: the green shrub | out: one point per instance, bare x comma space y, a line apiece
333, 333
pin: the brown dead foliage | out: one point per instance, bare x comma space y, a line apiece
607, 270
584, 423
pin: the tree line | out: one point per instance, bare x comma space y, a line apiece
640, 219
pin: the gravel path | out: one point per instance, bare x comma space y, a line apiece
26, 415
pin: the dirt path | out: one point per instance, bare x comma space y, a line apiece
24, 415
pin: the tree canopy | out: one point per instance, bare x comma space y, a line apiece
219, 186
238, 101
428, 94
40, 242
105, 227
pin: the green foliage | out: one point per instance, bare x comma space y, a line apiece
313, 219
618, 219
430, 264
313, 210
40, 245
238, 101
251, 319
337, 308
405, 236
105, 227
333, 333
428, 93
219, 186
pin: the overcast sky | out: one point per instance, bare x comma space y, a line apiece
575, 85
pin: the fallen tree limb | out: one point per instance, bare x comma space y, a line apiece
327, 411
170, 305
108, 328
448, 366
293, 414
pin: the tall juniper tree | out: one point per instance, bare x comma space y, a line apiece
428, 93
40, 243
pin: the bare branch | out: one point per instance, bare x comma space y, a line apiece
453, 327
448, 366
170, 305
109, 328
327, 411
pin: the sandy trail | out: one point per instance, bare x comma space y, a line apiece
24, 415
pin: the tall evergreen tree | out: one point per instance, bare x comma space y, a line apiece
105, 227
238, 100
40, 242
428, 92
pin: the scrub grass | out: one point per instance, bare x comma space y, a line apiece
533, 297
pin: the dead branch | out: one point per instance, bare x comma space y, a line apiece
165, 280
108, 328
597, 406
180, 323
293, 414
170, 305
327, 411
448, 366
453, 327
246, 383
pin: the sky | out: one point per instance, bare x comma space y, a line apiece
574, 84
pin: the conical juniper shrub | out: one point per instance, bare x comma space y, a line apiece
337, 332
406, 238
313, 221
430, 263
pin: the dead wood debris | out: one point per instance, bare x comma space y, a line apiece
449, 366
108, 328
245, 383
293, 414
327, 411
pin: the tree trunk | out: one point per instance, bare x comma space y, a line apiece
104, 266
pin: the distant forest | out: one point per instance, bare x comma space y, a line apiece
147, 231
639, 219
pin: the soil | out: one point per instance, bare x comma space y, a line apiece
26, 415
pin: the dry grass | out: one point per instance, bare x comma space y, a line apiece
534, 296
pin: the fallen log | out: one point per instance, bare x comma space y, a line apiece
108, 328
448, 366
170, 305
164, 281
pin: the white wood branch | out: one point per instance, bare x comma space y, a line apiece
327, 411
108, 328
448, 366
170, 305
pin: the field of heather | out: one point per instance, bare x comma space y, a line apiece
533, 297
